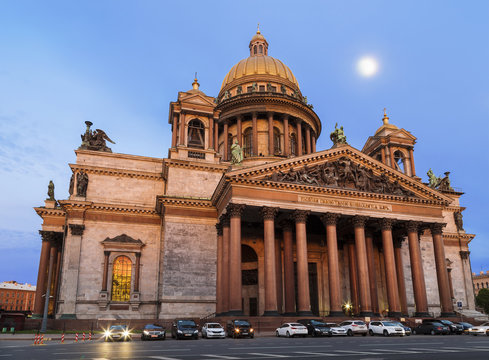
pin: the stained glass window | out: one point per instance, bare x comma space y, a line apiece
121, 279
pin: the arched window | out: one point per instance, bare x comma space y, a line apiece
399, 159
230, 143
121, 279
477, 286
254, 49
293, 144
248, 142
277, 150
196, 134
261, 49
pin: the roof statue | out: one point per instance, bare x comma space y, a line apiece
338, 135
439, 183
95, 140
236, 153
51, 191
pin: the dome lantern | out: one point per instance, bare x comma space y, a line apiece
258, 44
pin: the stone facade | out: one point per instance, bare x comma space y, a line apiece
140, 241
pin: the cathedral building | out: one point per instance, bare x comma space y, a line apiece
247, 217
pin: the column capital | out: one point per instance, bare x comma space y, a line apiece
268, 213
330, 218
300, 216
270, 113
412, 226
286, 225
298, 120
398, 242
48, 235
285, 117
464, 254
386, 224
359, 221
235, 210
239, 116
76, 229
224, 220
437, 228
107, 253
138, 254
219, 228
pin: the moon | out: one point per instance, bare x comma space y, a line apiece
367, 66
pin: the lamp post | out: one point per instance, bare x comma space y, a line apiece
48, 292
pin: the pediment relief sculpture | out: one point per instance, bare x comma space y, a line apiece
343, 174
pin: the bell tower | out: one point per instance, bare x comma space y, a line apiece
392, 146
193, 118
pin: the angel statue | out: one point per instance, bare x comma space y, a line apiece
95, 140
338, 135
236, 153
434, 180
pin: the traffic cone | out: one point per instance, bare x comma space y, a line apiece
90, 336
83, 337
42, 340
36, 339
76, 337
62, 338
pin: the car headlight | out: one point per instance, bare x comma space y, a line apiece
146, 332
196, 331
107, 333
237, 330
126, 333
251, 329
179, 331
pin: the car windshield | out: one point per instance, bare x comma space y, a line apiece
331, 325
153, 327
118, 327
317, 323
390, 323
241, 323
186, 323
446, 322
436, 323
214, 326
296, 324
466, 324
485, 324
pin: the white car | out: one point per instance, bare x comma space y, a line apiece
213, 330
354, 327
291, 330
479, 329
386, 328
336, 330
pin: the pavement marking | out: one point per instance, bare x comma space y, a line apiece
433, 350
392, 351
269, 355
279, 347
119, 351
397, 344
352, 352
316, 353
221, 357
163, 358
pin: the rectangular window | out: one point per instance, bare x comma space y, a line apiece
274, 89
262, 87
249, 89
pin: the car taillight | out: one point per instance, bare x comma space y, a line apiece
354, 325
438, 328
293, 328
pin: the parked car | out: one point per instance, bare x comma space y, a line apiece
479, 329
240, 328
386, 328
467, 326
336, 330
454, 328
153, 332
316, 327
291, 330
354, 327
431, 327
407, 329
213, 330
117, 333
184, 329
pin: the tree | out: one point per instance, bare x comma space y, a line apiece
482, 299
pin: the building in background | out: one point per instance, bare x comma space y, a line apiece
481, 281
17, 297
246, 216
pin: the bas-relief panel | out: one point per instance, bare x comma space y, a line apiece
183, 182
189, 265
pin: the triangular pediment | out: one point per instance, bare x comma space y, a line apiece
197, 99
341, 168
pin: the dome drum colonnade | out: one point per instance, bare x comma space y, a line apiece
360, 249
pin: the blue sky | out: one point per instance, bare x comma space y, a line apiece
120, 63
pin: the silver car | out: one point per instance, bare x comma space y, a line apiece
213, 330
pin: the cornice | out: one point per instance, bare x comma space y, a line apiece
90, 169
221, 168
42, 211
456, 236
119, 156
174, 201
107, 207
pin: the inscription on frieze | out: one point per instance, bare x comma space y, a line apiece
345, 203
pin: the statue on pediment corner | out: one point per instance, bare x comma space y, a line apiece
95, 140
51, 191
459, 221
338, 135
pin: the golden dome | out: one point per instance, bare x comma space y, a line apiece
259, 65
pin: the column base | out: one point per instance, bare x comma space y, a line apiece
271, 313
394, 314
305, 313
366, 313
36, 316
68, 316
448, 314
336, 314
235, 313
422, 314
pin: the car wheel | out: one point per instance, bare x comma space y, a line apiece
371, 332
349, 332
364, 334
287, 334
432, 332
277, 334
164, 337
386, 333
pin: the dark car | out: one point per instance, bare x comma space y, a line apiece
153, 332
467, 326
117, 333
316, 327
407, 329
454, 328
239, 328
184, 329
431, 327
